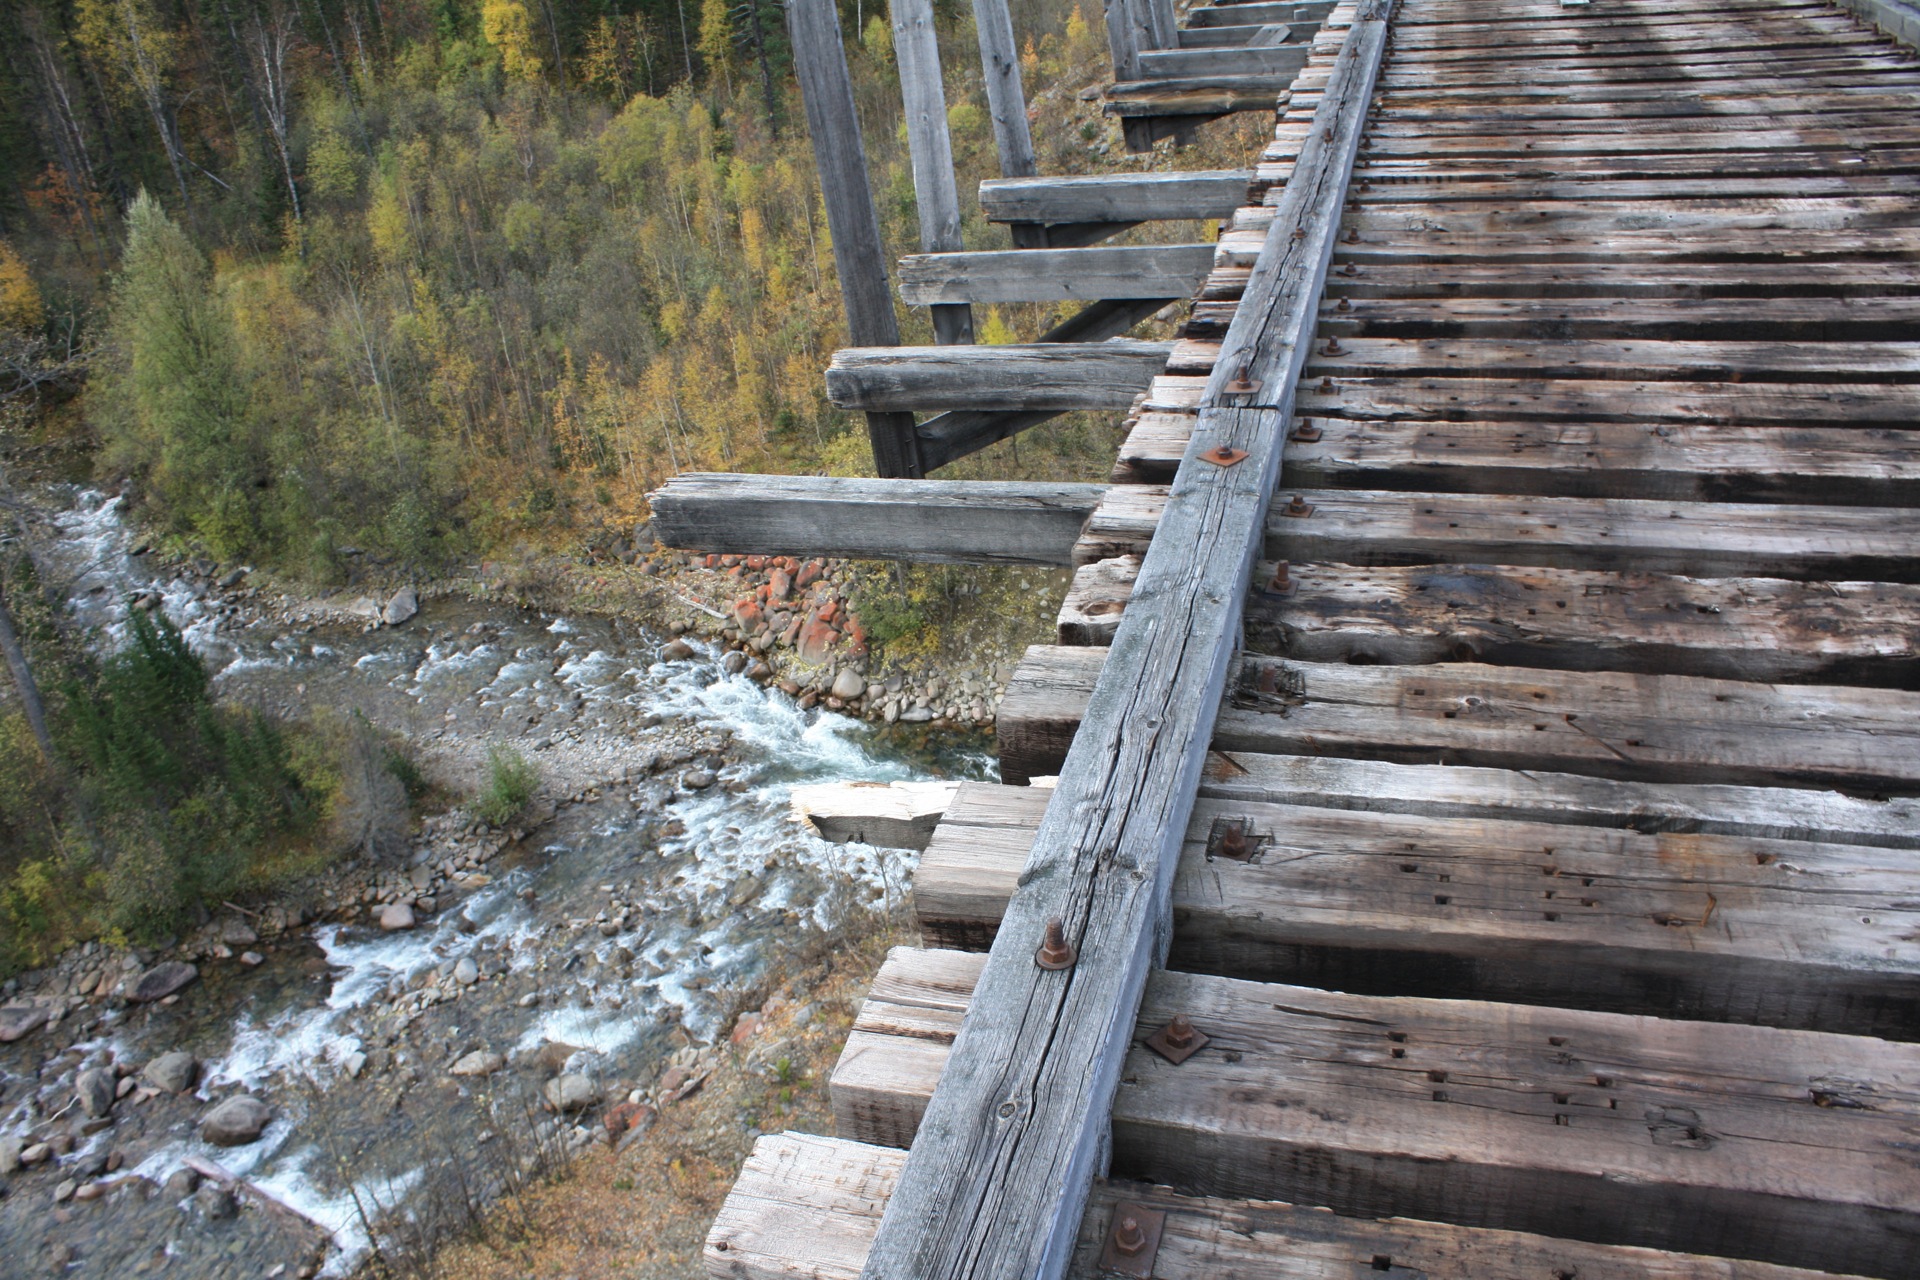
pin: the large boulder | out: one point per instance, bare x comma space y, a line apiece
19, 1020
397, 916
172, 1072
849, 684
93, 1090
571, 1093
480, 1062
236, 1122
163, 980
404, 604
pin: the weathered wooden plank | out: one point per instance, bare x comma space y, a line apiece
1853, 320
1711, 539
1621, 243
1050, 275
1594, 218
1718, 928
807, 1207
1051, 375
1267, 60
1651, 728
1865, 282
859, 253
1492, 399
1862, 633
1116, 197
926, 522
1195, 95
1013, 1135
1840, 466
1720, 1138
1824, 817
1627, 359
1222, 37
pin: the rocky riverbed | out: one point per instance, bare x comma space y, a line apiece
405, 1040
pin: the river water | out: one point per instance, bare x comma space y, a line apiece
710, 893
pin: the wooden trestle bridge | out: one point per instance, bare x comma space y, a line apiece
1486, 841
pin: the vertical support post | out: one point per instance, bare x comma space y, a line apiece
859, 255
1127, 35
1007, 102
935, 192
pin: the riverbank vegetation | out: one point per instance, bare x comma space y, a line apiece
158, 804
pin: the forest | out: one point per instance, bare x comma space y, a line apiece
416, 279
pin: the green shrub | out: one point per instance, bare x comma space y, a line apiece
510, 784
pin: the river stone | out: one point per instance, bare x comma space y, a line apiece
571, 1093
10, 1148
235, 1122
849, 684
93, 1089
37, 1153
478, 1063
64, 1192
212, 1201
402, 607
20, 1020
173, 1072
396, 917
180, 1184
677, 651
697, 780
163, 980
466, 972
235, 933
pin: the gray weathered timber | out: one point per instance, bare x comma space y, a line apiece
1006, 99
1718, 928
1653, 728
1195, 96
859, 253
996, 1185
806, 1207
1270, 60
1129, 31
1702, 539
1895, 17
1117, 197
1052, 275
955, 434
936, 194
1233, 15
1790, 1147
923, 521
1050, 375
1784, 813
1233, 37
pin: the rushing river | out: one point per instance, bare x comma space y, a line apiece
718, 890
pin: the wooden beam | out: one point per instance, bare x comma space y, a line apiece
1217, 37
1788, 1147
1699, 539
1175, 64
1605, 724
1718, 928
1770, 629
996, 1187
806, 1207
1006, 99
925, 522
1051, 375
936, 194
1233, 15
1117, 197
953, 435
1445, 791
1195, 95
859, 252
1052, 275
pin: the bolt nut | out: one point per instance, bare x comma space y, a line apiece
1055, 951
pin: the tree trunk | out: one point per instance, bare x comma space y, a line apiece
23, 680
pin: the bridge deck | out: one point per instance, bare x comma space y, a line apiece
1549, 896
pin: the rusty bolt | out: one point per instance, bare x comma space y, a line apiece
1299, 507
1180, 1032
1233, 844
1326, 386
1055, 951
1344, 305
1128, 1236
1351, 269
1353, 235
1306, 432
1333, 348
1281, 584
